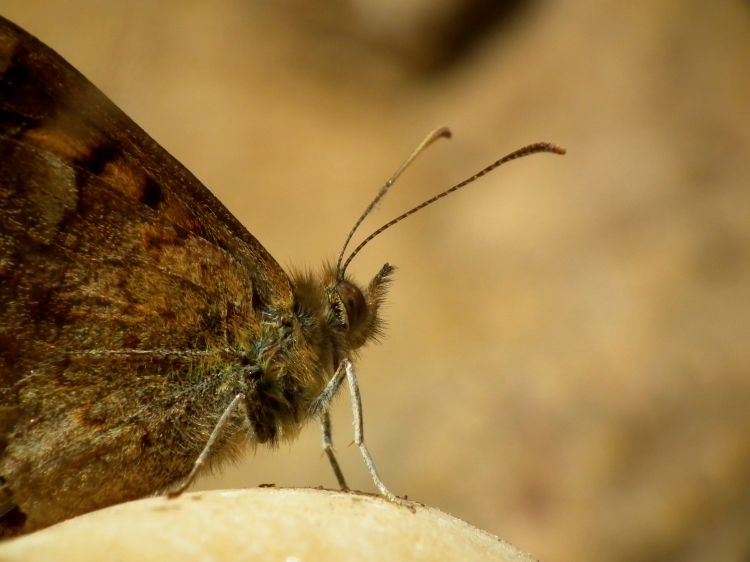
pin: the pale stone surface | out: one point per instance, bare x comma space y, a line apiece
262, 524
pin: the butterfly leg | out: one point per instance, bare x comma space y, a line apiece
325, 424
200, 461
359, 435
323, 401
320, 408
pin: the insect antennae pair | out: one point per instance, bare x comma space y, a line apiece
441, 132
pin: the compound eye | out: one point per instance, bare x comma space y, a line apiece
354, 303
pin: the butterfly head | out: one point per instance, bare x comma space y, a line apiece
338, 315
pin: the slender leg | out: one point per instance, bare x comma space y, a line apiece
359, 435
218, 428
320, 408
324, 399
325, 423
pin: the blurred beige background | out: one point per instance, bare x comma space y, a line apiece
567, 357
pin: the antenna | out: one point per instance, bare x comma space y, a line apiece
528, 150
440, 132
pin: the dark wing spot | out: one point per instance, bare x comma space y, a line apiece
99, 157
146, 441
25, 102
257, 303
12, 518
152, 194
12, 522
95, 162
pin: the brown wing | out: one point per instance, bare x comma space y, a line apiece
126, 291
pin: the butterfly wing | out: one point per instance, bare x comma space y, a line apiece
126, 291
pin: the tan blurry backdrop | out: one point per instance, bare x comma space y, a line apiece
566, 363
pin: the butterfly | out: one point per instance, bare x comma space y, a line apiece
145, 333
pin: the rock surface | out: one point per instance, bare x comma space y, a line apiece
262, 524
